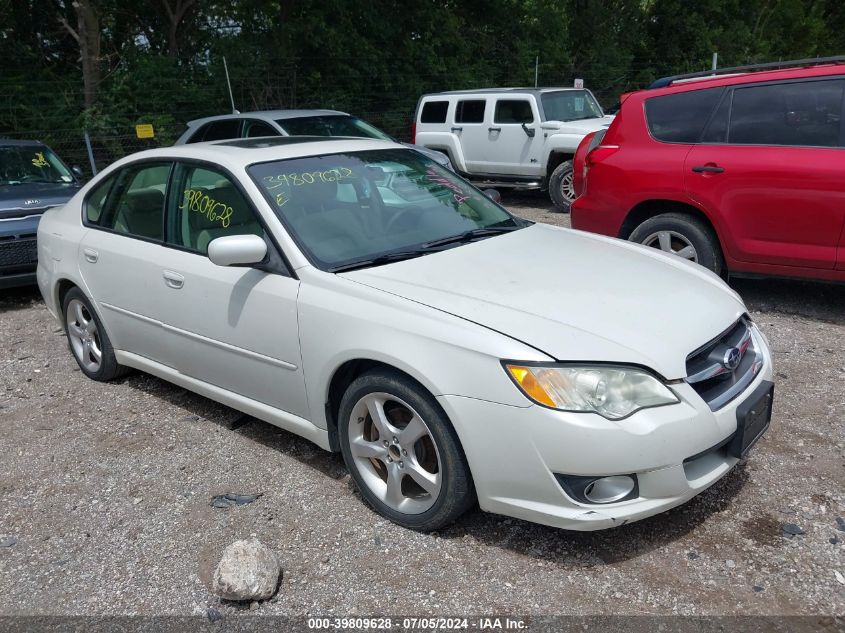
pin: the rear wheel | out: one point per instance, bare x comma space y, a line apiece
402, 452
87, 339
682, 235
561, 188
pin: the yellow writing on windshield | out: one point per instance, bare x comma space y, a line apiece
39, 160
200, 202
307, 178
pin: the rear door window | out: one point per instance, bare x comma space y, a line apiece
135, 207
434, 112
470, 111
680, 118
804, 113
513, 111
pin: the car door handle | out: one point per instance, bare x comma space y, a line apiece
457, 129
173, 280
494, 129
710, 169
91, 255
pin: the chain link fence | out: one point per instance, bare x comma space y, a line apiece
105, 148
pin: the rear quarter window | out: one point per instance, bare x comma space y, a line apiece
221, 130
680, 118
434, 112
96, 200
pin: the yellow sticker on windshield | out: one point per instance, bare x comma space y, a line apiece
39, 160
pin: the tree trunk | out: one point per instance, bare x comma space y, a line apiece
87, 36
89, 47
175, 15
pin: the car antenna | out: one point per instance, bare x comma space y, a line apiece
229, 84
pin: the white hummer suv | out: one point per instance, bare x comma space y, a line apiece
511, 137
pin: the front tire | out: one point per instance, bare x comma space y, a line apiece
682, 235
402, 452
561, 188
87, 339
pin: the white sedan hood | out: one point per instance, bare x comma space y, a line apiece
574, 296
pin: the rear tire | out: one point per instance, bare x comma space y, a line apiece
561, 189
402, 452
87, 339
683, 235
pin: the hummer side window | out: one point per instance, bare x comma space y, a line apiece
434, 112
513, 111
470, 111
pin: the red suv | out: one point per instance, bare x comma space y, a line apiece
741, 172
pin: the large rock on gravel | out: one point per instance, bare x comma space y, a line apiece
248, 570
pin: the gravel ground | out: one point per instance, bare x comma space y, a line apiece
105, 490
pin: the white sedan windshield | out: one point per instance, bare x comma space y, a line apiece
357, 206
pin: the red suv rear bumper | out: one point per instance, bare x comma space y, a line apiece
588, 217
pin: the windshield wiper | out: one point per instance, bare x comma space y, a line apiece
424, 249
471, 235
387, 258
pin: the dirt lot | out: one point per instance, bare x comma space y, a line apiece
105, 490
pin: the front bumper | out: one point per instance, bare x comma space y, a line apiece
18, 251
675, 451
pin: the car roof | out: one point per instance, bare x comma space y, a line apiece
20, 143
738, 78
267, 115
236, 154
499, 91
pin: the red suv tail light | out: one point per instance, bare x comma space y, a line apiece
413, 132
599, 154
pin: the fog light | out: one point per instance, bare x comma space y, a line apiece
609, 489
599, 490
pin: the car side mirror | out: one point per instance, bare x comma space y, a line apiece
530, 131
237, 250
77, 171
493, 194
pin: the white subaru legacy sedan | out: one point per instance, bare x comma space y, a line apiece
358, 294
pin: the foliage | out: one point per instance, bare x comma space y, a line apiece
160, 62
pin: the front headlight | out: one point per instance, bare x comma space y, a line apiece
612, 392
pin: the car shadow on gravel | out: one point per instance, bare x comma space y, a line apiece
809, 299
233, 421
19, 298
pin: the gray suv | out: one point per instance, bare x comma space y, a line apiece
292, 123
32, 180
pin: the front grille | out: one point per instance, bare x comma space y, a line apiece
722, 369
18, 252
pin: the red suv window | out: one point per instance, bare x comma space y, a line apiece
680, 118
803, 113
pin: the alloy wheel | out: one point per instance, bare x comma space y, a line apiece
395, 453
672, 242
84, 336
567, 186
